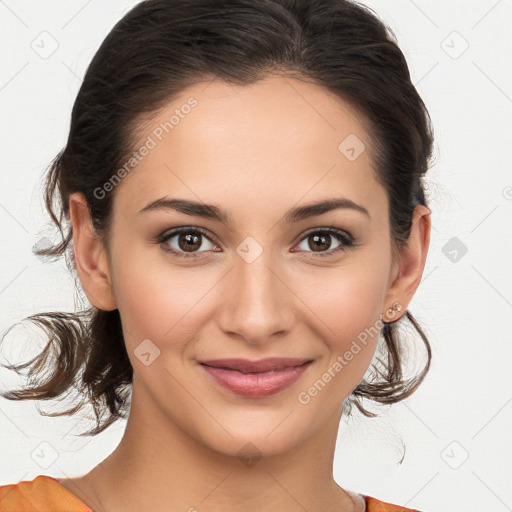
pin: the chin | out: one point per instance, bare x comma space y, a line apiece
249, 440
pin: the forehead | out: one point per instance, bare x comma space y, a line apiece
280, 141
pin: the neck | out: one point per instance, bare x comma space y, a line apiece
158, 466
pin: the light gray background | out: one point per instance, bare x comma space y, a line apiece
456, 428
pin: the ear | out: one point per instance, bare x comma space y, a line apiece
90, 256
410, 264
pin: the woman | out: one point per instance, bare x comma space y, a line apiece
241, 195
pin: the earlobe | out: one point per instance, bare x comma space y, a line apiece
90, 256
411, 261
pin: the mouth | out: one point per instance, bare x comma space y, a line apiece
255, 378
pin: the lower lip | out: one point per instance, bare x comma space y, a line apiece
256, 384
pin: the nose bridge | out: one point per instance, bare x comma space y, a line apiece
256, 304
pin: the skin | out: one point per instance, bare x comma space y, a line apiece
255, 151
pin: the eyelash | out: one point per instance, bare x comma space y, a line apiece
347, 240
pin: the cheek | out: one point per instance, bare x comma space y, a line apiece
345, 309
346, 299
158, 302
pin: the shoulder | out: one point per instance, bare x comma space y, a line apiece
42, 494
375, 505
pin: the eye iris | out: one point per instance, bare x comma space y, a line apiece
191, 242
319, 238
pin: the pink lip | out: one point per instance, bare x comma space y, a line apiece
256, 378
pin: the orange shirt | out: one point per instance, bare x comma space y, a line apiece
45, 494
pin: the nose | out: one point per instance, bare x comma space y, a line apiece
256, 302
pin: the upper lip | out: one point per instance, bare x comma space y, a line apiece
263, 365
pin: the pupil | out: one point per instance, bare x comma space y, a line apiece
317, 238
191, 241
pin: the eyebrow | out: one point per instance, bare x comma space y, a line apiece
213, 212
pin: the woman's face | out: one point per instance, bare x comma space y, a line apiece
260, 283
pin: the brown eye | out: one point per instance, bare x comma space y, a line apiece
189, 242
186, 242
320, 242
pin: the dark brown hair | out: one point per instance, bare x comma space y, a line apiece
150, 56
